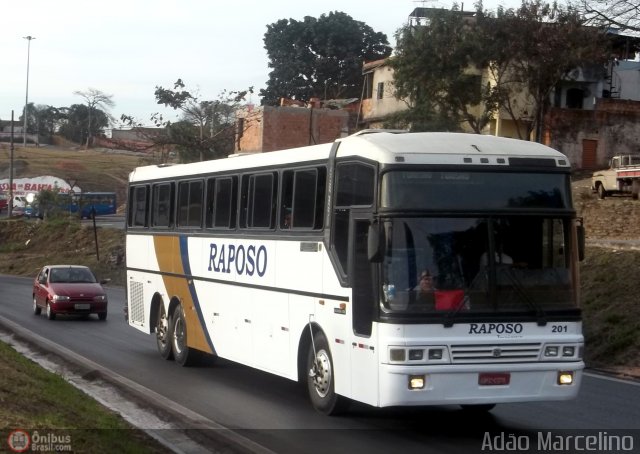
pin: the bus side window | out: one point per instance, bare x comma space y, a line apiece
138, 206
161, 212
258, 200
221, 202
302, 199
190, 203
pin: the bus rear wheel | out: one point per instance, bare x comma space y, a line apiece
163, 334
321, 378
183, 355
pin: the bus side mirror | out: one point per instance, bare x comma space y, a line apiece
375, 243
581, 241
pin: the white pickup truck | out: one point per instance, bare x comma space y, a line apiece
622, 177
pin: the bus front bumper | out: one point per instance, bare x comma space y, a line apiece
478, 384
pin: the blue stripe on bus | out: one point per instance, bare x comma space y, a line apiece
184, 255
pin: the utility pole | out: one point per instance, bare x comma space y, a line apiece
26, 99
10, 205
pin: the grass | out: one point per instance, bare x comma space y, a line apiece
35, 400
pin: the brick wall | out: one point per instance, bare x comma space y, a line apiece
278, 128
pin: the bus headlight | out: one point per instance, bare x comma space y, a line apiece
416, 381
565, 378
562, 352
419, 355
397, 355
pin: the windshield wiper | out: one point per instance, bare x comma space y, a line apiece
540, 314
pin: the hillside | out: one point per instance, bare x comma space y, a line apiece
92, 170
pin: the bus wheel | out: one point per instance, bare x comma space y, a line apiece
320, 378
183, 355
478, 408
163, 334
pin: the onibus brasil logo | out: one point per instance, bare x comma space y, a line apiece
19, 440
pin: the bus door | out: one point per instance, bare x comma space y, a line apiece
364, 348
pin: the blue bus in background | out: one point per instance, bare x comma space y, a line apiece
82, 203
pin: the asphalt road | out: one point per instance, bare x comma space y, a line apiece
275, 413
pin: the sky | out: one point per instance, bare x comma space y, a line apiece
125, 48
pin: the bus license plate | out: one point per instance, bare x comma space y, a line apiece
82, 306
494, 378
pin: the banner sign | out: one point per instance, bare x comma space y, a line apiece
25, 186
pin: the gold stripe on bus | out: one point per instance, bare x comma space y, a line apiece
167, 250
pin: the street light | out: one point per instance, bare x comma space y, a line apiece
26, 99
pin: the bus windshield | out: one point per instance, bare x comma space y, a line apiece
440, 190
494, 264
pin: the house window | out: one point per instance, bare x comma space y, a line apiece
380, 93
575, 97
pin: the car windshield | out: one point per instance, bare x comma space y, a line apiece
478, 265
72, 275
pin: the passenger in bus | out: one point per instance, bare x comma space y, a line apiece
286, 221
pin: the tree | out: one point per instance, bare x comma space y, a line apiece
437, 68
74, 125
95, 99
522, 55
48, 119
542, 45
206, 129
622, 14
319, 57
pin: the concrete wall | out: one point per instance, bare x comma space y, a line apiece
614, 124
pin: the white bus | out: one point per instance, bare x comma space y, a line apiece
307, 263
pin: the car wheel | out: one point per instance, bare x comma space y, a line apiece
183, 355
102, 316
163, 333
36, 309
321, 378
635, 189
601, 192
50, 314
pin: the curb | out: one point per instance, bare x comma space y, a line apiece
192, 429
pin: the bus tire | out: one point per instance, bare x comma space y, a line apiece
163, 333
478, 408
183, 355
321, 378
601, 191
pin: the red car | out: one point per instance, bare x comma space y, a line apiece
68, 289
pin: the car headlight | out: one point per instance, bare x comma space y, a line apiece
100, 298
60, 298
